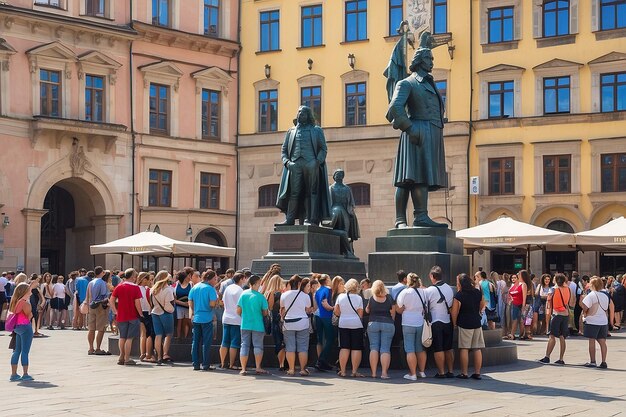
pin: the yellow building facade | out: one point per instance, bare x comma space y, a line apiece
295, 50
535, 100
548, 141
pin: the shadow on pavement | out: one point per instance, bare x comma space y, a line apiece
37, 384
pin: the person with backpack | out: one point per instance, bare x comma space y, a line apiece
488, 289
598, 311
558, 303
412, 304
466, 314
440, 297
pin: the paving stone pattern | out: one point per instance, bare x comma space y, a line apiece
68, 382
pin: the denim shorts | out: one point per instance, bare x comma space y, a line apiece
248, 338
380, 335
413, 339
163, 324
231, 336
297, 340
516, 312
128, 329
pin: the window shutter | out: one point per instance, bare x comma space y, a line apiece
573, 16
537, 20
594, 15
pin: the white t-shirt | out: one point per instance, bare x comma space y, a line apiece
165, 297
413, 314
58, 290
145, 305
438, 310
231, 298
349, 319
598, 305
574, 288
297, 310
3, 282
225, 284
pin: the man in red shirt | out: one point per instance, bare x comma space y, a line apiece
127, 312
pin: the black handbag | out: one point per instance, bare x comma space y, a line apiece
12, 341
267, 323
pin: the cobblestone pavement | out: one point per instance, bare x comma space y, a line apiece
69, 381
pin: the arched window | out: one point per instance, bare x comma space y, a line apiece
560, 226
268, 195
361, 192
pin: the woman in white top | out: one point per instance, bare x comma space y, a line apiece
349, 309
598, 309
295, 307
57, 302
410, 304
162, 296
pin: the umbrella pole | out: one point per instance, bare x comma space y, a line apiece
528, 258
172, 264
121, 261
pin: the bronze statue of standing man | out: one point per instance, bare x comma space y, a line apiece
417, 109
303, 192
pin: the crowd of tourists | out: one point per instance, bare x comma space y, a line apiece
341, 318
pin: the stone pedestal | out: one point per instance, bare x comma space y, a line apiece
417, 249
303, 250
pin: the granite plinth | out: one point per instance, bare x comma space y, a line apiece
417, 249
304, 250
496, 352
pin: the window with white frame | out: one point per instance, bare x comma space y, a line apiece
97, 75
51, 68
608, 82
161, 98
212, 102
500, 92
557, 87
500, 22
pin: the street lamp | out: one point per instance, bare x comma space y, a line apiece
268, 71
189, 232
351, 60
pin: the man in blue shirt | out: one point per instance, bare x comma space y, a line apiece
81, 294
97, 299
324, 326
202, 300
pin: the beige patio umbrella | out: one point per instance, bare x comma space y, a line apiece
608, 237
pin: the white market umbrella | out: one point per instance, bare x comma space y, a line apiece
505, 232
608, 237
155, 244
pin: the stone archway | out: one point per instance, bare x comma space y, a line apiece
215, 237
95, 219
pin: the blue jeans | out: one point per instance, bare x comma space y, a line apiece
380, 335
23, 340
202, 335
326, 336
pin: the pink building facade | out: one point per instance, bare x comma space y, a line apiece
115, 116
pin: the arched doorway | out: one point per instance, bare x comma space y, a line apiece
212, 237
560, 261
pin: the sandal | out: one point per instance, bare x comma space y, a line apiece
91, 352
101, 352
357, 375
234, 368
142, 357
243, 373
167, 358
261, 372
305, 372
120, 362
290, 373
341, 374
150, 360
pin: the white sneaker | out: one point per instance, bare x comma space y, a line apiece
422, 375
410, 377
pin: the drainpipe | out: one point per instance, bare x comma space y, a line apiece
471, 108
237, 134
132, 126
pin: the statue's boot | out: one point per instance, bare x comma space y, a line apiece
419, 195
402, 200
290, 216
